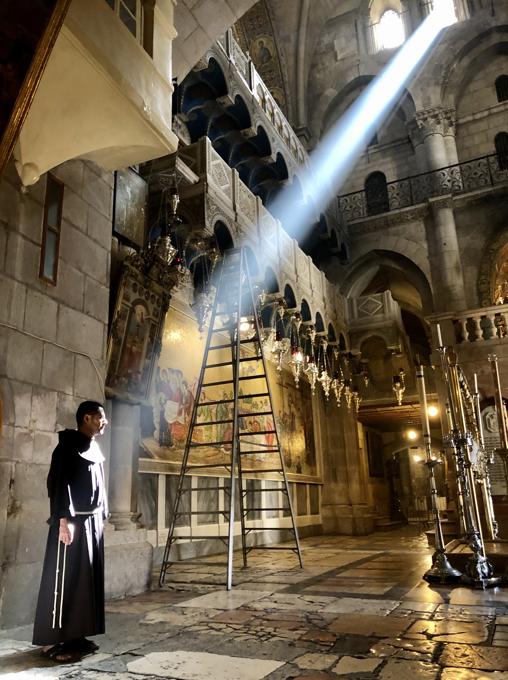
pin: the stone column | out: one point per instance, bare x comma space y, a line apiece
123, 467
434, 129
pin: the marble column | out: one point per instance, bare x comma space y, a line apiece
434, 131
123, 467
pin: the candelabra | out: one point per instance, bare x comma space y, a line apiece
478, 571
441, 569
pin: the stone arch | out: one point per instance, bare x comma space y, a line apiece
305, 310
364, 268
319, 323
289, 296
223, 236
456, 68
414, 251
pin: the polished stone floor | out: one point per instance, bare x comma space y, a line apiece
358, 609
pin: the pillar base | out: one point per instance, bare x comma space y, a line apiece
124, 521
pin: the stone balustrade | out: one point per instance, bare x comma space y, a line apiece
476, 325
473, 175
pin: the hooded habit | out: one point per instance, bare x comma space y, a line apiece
71, 596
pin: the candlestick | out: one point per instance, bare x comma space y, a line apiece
439, 337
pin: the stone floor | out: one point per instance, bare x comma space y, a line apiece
358, 609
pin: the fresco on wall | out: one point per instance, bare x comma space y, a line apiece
173, 394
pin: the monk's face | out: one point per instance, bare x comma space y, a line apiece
94, 423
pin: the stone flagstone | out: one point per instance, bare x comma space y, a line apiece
199, 665
223, 599
401, 669
350, 664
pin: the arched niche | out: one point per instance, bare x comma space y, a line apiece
289, 297
305, 311
223, 237
385, 263
319, 323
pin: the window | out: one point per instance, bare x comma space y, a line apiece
48, 267
445, 7
376, 194
129, 12
374, 140
501, 144
502, 88
390, 30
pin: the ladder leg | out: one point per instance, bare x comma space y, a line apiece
183, 470
281, 458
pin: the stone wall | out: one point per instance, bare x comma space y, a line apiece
52, 349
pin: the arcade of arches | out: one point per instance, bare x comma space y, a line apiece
222, 103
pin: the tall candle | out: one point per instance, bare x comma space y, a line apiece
439, 338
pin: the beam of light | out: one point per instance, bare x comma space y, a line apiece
341, 147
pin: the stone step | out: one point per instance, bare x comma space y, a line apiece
386, 524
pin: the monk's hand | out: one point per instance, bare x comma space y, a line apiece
65, 532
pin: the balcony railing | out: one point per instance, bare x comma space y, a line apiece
479, 173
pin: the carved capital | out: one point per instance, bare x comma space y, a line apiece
430, 122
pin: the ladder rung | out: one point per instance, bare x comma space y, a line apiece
230, 363
263, 509
248, 529
262, 376
208, 465
251, 434
259, 451
240, 396
271, 547
274, 488
228, 345
213, 422
255, 413
212, 403
197, 537
204, 512
259, 472
195, 445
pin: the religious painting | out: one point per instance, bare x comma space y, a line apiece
129, 207
134, 337
174, 391
262, 50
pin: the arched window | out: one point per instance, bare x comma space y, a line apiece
390, 30
502, 88
501, 144
376, 194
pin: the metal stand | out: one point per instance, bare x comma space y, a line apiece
479, 571
441, 570
234, 318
